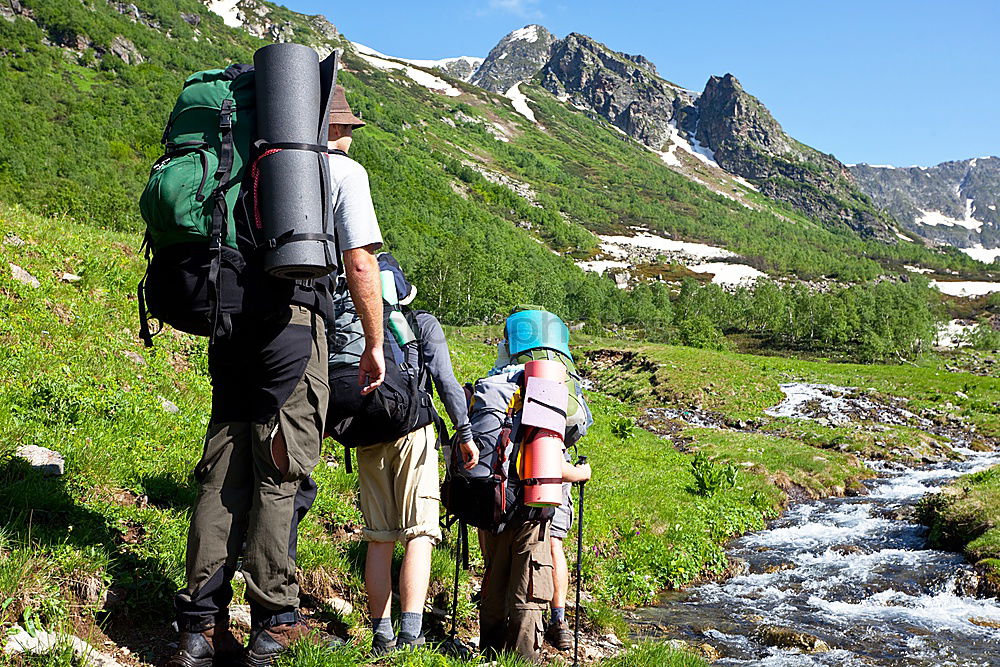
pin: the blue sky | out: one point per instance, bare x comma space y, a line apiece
883, 81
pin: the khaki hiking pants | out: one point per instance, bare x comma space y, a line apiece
253, 494
517, 588
398, 482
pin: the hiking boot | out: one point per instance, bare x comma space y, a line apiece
382, 647
268, 643
456, 648
404, 643
201, 649
558, 634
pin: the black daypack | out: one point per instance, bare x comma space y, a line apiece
400, 405
491, 495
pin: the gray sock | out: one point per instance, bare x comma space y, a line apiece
410, 624
382, 627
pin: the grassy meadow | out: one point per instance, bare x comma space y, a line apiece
130, 421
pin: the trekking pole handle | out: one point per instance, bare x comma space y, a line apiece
580, 460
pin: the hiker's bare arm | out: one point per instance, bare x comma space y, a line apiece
361, 270
574, 474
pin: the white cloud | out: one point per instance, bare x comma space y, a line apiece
526, 9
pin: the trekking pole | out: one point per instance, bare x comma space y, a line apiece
579, 556
454, 593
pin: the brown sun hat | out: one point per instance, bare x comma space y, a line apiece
340, 110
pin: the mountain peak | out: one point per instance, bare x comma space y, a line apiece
530, 33
624, 89
724, 82
516, 57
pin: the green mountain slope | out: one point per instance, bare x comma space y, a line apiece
83, 126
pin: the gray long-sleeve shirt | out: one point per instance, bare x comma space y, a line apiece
438, 360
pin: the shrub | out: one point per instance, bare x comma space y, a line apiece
710, 477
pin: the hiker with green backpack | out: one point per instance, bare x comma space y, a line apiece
217, 269
393, 430
514, 533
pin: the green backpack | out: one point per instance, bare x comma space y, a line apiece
194, 278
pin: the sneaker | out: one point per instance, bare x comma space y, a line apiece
382, 647
201, 649
268, 643
558, 634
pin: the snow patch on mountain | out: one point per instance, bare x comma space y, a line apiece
227, 10
443, 64
952, 334
725, 273
985, 255
935, 218
528, 33
520, 102
425, 79
621, 253
626, 246
693, 147
965, 288
601, 265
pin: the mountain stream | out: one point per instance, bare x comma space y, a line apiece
853, 573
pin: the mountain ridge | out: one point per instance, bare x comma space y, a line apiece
723, 122
955, 202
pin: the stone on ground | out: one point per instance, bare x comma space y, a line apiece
44, 460
22, 276
40, 642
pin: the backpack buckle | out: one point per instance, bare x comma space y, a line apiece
226, 115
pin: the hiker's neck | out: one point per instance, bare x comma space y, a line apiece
341, 144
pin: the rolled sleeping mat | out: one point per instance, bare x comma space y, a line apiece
543, 418
293, 183
541, 468
548, 369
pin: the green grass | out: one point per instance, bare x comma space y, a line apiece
78, 381
741, 386
966, 517
640, 655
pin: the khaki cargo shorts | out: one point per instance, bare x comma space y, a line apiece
399, 488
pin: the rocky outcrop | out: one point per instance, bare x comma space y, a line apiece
957, 203
517, 57
277, 24
747, 141
125, 49
621, 88
12, 9
461, 68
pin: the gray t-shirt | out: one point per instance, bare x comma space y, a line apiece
353, 210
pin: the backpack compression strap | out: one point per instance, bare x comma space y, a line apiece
220, 218
265, 149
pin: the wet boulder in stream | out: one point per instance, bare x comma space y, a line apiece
774, 635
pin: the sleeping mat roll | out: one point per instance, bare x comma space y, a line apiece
293, 182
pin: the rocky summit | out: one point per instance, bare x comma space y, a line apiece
747, 141
627, 91
518, 56
624, 89
954, 202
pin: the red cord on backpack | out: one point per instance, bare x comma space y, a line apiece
255, 176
